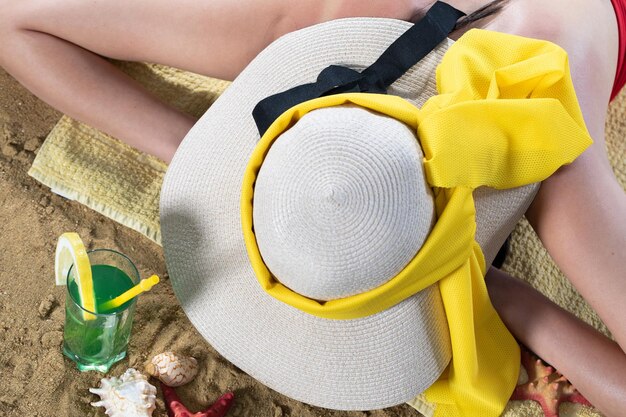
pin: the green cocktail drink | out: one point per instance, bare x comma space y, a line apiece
109, 282
96, 340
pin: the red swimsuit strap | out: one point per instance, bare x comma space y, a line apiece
620, 76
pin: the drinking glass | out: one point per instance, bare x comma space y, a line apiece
97, 340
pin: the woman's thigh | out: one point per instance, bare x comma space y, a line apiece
212, 37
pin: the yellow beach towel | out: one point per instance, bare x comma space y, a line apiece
83, 164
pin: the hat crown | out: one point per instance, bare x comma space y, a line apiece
341, 202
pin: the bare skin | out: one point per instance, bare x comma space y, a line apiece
578, 213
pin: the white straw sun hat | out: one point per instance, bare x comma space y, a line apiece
332, 218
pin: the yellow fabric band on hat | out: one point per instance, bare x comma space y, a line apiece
506, 116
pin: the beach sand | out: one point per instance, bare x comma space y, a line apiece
36, 380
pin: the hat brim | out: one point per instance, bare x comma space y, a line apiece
369, 363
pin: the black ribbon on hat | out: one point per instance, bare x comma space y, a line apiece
413, 45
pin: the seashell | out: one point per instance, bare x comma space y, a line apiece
172, 369
130, 395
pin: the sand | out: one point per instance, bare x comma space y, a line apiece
36, 380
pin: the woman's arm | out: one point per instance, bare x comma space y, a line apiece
593, 363
580, 212
580, 217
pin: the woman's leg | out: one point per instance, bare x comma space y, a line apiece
53, 48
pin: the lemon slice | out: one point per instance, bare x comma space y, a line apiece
71, 251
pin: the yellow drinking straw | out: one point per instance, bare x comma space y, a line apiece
143, 286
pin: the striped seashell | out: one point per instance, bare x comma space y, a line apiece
172, 369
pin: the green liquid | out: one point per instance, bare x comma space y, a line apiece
108, 283
95, 342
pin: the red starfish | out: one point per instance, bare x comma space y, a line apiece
546, 386
175, 408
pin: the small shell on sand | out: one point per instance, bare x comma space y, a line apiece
172, 369
130, 395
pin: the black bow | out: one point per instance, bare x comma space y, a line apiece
402, 54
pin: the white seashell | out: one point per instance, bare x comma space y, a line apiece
130, 395
172, 369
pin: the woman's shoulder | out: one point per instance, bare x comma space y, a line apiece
586, 30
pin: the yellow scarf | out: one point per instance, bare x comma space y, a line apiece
506, 116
